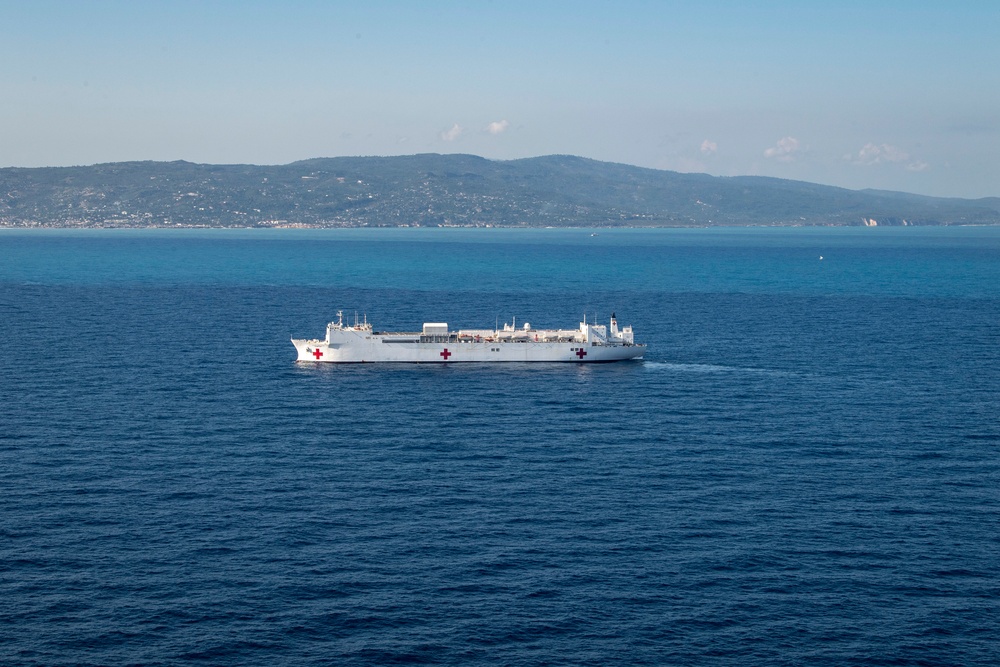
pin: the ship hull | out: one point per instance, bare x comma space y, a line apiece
353, 348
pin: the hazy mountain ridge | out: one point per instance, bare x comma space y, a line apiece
432, 189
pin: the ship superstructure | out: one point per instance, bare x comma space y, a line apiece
436, 343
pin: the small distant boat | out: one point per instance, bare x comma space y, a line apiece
436, 343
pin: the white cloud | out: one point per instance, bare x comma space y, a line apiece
497, 127
871, 154
877, 153
452, 134
709, 147
784, 150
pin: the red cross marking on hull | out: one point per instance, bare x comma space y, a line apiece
317, 353
580, 352
446, 354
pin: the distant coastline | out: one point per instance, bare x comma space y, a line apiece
447, 191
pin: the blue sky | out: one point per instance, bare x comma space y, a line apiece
892, 95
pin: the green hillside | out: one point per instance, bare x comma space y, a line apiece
431, 190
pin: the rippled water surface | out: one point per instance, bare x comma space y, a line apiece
803, 470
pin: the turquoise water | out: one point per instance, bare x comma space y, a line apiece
923, 261
804, 469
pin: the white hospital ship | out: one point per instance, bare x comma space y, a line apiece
359, 343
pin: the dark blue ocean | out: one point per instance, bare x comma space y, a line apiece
804, 470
